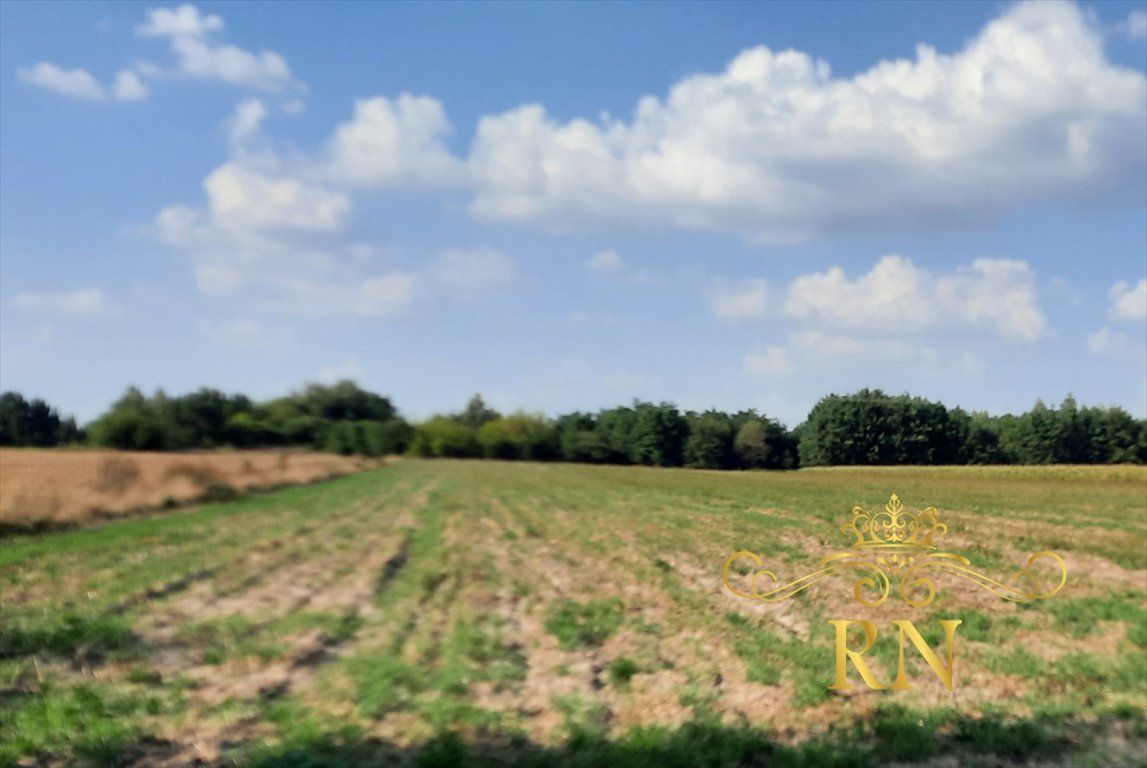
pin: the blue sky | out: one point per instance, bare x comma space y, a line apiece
566, 206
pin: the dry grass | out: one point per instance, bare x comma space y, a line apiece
39, 487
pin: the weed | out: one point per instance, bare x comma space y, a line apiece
621, 671
588, 625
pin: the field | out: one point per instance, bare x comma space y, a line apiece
474, 612
54, 488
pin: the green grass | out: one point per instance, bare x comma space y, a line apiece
440, 587
584, 625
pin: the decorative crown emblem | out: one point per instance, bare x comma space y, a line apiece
897, 545
895, 528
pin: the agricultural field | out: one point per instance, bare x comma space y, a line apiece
441, 612
57, 488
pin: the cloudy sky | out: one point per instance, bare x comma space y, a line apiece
568, 206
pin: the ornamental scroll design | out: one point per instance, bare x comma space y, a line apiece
897, 547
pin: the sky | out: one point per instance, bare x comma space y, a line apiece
566, 206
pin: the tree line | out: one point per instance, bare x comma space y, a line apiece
868, 427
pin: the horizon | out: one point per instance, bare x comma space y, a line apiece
718, 206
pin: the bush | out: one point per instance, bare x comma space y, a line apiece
519, 436
444, 437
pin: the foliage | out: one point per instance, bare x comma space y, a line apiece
339, 418
868, 427
34, 423
442, 436
518, 436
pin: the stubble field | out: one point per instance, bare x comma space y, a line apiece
466, 612
52, 488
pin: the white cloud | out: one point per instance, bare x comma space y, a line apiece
897, 296
85, 301
1117, 345
1135, 25
294, 107
747, 301
80, 84
604, 261
767, 362
474, 268
128, 87
241, 198
1030, 111
1129, 303
266, 70
394, 142
71, 82
245, 122
182, 21
187, 30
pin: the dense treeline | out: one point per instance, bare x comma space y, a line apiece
644, 433
341, 418
865, 428
871, 427
34, 422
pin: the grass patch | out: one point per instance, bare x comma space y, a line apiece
584, 625
64, 634
621, 671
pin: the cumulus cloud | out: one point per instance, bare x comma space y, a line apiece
394, 142
474, 268
128, 87
775, 148
1129, 303
243, 198
184, 21
188, 33
85, 301
1116, 345
746, 301
266, 70
245, 122
604, 261
78, 83
897, 296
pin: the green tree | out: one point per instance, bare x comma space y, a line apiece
476, 414
444, 437
658, 435
710, 441
519, 436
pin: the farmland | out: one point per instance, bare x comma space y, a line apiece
440, 612
49, 488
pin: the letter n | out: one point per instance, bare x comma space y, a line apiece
942, 672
